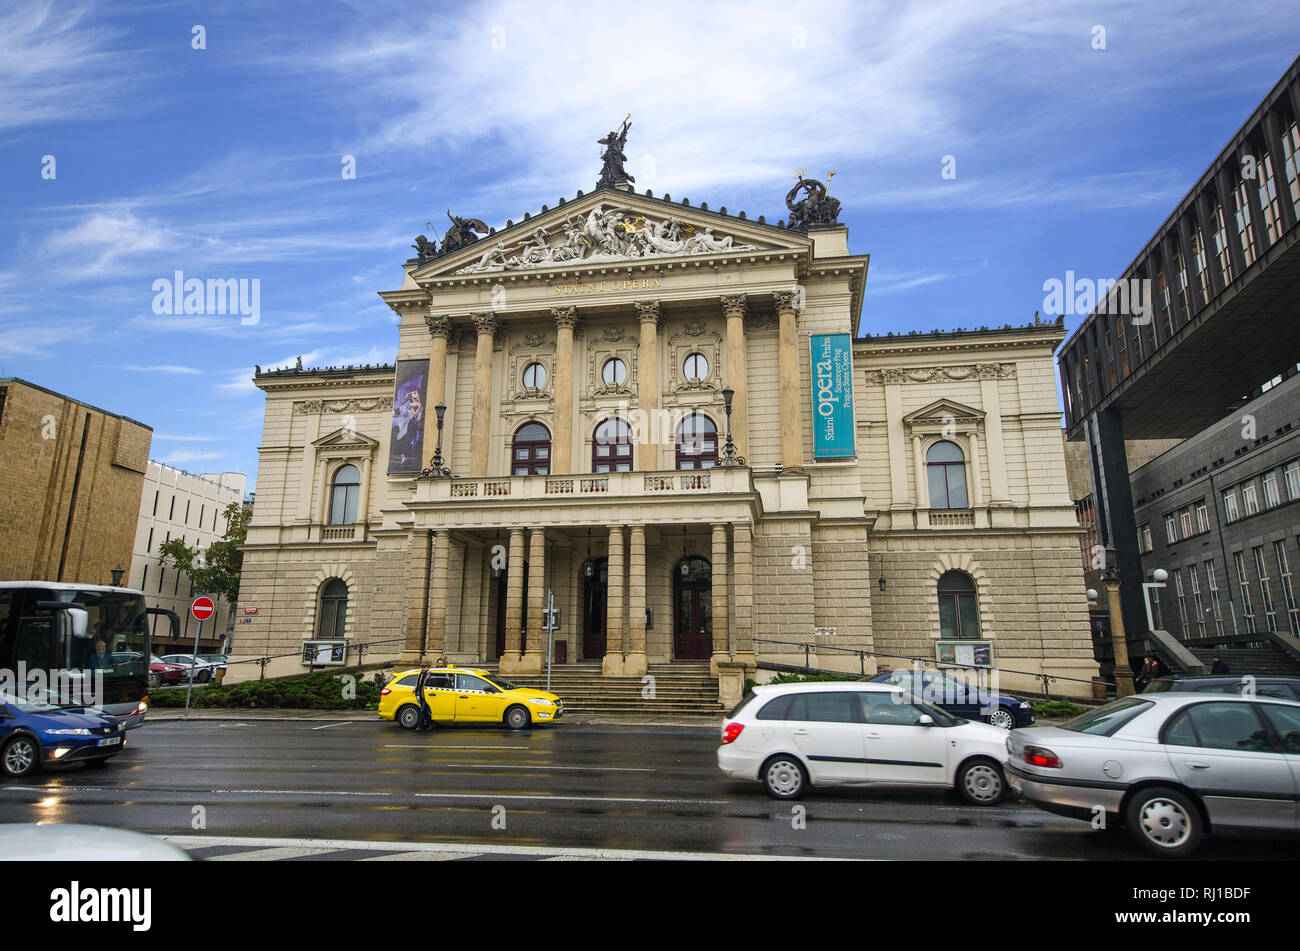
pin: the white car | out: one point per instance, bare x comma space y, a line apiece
792, 736
196, 668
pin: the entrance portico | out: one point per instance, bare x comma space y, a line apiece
660, 581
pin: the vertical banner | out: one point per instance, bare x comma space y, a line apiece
406, 448
832, 392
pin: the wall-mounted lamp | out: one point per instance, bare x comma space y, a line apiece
117, 575
881, 581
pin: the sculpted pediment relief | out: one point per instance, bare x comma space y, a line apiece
603, 228
345, 439
943, 410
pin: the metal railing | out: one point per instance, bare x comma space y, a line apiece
359, 646
925, 662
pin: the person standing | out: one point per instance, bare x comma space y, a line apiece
421, 684
1219, 667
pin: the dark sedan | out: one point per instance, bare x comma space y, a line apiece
961, 699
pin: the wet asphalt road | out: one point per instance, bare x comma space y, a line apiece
572, 786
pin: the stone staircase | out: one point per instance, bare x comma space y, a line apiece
1265, 660
682, 688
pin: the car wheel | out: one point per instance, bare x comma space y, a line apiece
1002, 718
1164, 822
21, 755
408, 718
784, 777
205, 676
980, 782
517, 717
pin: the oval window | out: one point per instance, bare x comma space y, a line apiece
534, 376
614, 372
696, 367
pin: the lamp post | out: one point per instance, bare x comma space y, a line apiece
436, 469
729, 457
1118, 637
117, 575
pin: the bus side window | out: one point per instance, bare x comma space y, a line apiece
35, 635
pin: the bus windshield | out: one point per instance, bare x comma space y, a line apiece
117, 635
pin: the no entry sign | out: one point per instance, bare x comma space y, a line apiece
202, 608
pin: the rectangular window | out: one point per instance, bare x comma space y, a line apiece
1180, 600
1250, 498
1196, 601
1146, 537
1268, 203
1171, 529
1241, 215
1202, 517
1243, 583
1288, 592
148, 547
1290, 148
1221, 245
162, 573
1230, 512
1213, 584
201, 508
1265, 592
1185, 520
155, 503
171, 513
1293, 480
144, 576
1272, 497
187, 511
1198, 264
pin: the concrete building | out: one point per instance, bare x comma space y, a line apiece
1221, 514
179, 504
69, 488
894, 494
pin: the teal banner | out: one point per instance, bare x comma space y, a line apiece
832, 385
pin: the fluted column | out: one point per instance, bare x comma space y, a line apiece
417, 595
613, 663
439, 331
514, 603
535, 642
436, 643
918, 467
648, 382
733, 308
562, 443
481, 430
976, 489
720, 595
635, 661
791, 404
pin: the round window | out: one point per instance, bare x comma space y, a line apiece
696, 367
614, 372
534, 376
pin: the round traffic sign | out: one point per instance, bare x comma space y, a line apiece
202, 608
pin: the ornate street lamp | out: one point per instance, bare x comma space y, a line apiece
729, 457
436, 469
117, 575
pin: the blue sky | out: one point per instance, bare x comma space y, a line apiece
225, 162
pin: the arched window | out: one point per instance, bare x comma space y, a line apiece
611, 447
958, 609
534, 376
946, 467
614, 372
697, 442
344, 492
696, 367
333, 611
530, 452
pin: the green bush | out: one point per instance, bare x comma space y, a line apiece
1056, 709
321, 691
750, 684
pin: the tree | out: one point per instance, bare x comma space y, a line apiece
216, 570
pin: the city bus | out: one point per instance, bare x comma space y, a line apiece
78, 644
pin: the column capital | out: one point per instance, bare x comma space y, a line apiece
438, 326
788, 301
648, 310
733, 305
565, 316
484, 323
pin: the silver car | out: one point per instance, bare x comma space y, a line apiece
1169, 767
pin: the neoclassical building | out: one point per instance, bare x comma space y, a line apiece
659, 415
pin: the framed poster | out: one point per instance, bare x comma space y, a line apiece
406, 447
965, 653
832, 393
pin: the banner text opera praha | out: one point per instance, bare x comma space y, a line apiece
832, 386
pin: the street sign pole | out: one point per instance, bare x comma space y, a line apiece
201, 609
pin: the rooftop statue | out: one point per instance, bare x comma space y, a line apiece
815, 208
461, 233
613, 172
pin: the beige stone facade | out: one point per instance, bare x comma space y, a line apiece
713, 564
70, 487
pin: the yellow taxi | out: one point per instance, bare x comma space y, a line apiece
467, 695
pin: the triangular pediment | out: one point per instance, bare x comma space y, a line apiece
941, 410
612, 226
345, 439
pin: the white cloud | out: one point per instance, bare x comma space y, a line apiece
184, 455
187, 371
166, 437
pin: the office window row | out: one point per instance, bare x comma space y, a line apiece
1263, 491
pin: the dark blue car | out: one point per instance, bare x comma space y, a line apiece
36, 733
954, 696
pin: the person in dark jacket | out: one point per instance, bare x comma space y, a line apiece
426, 715
1150, 671
1219, 667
